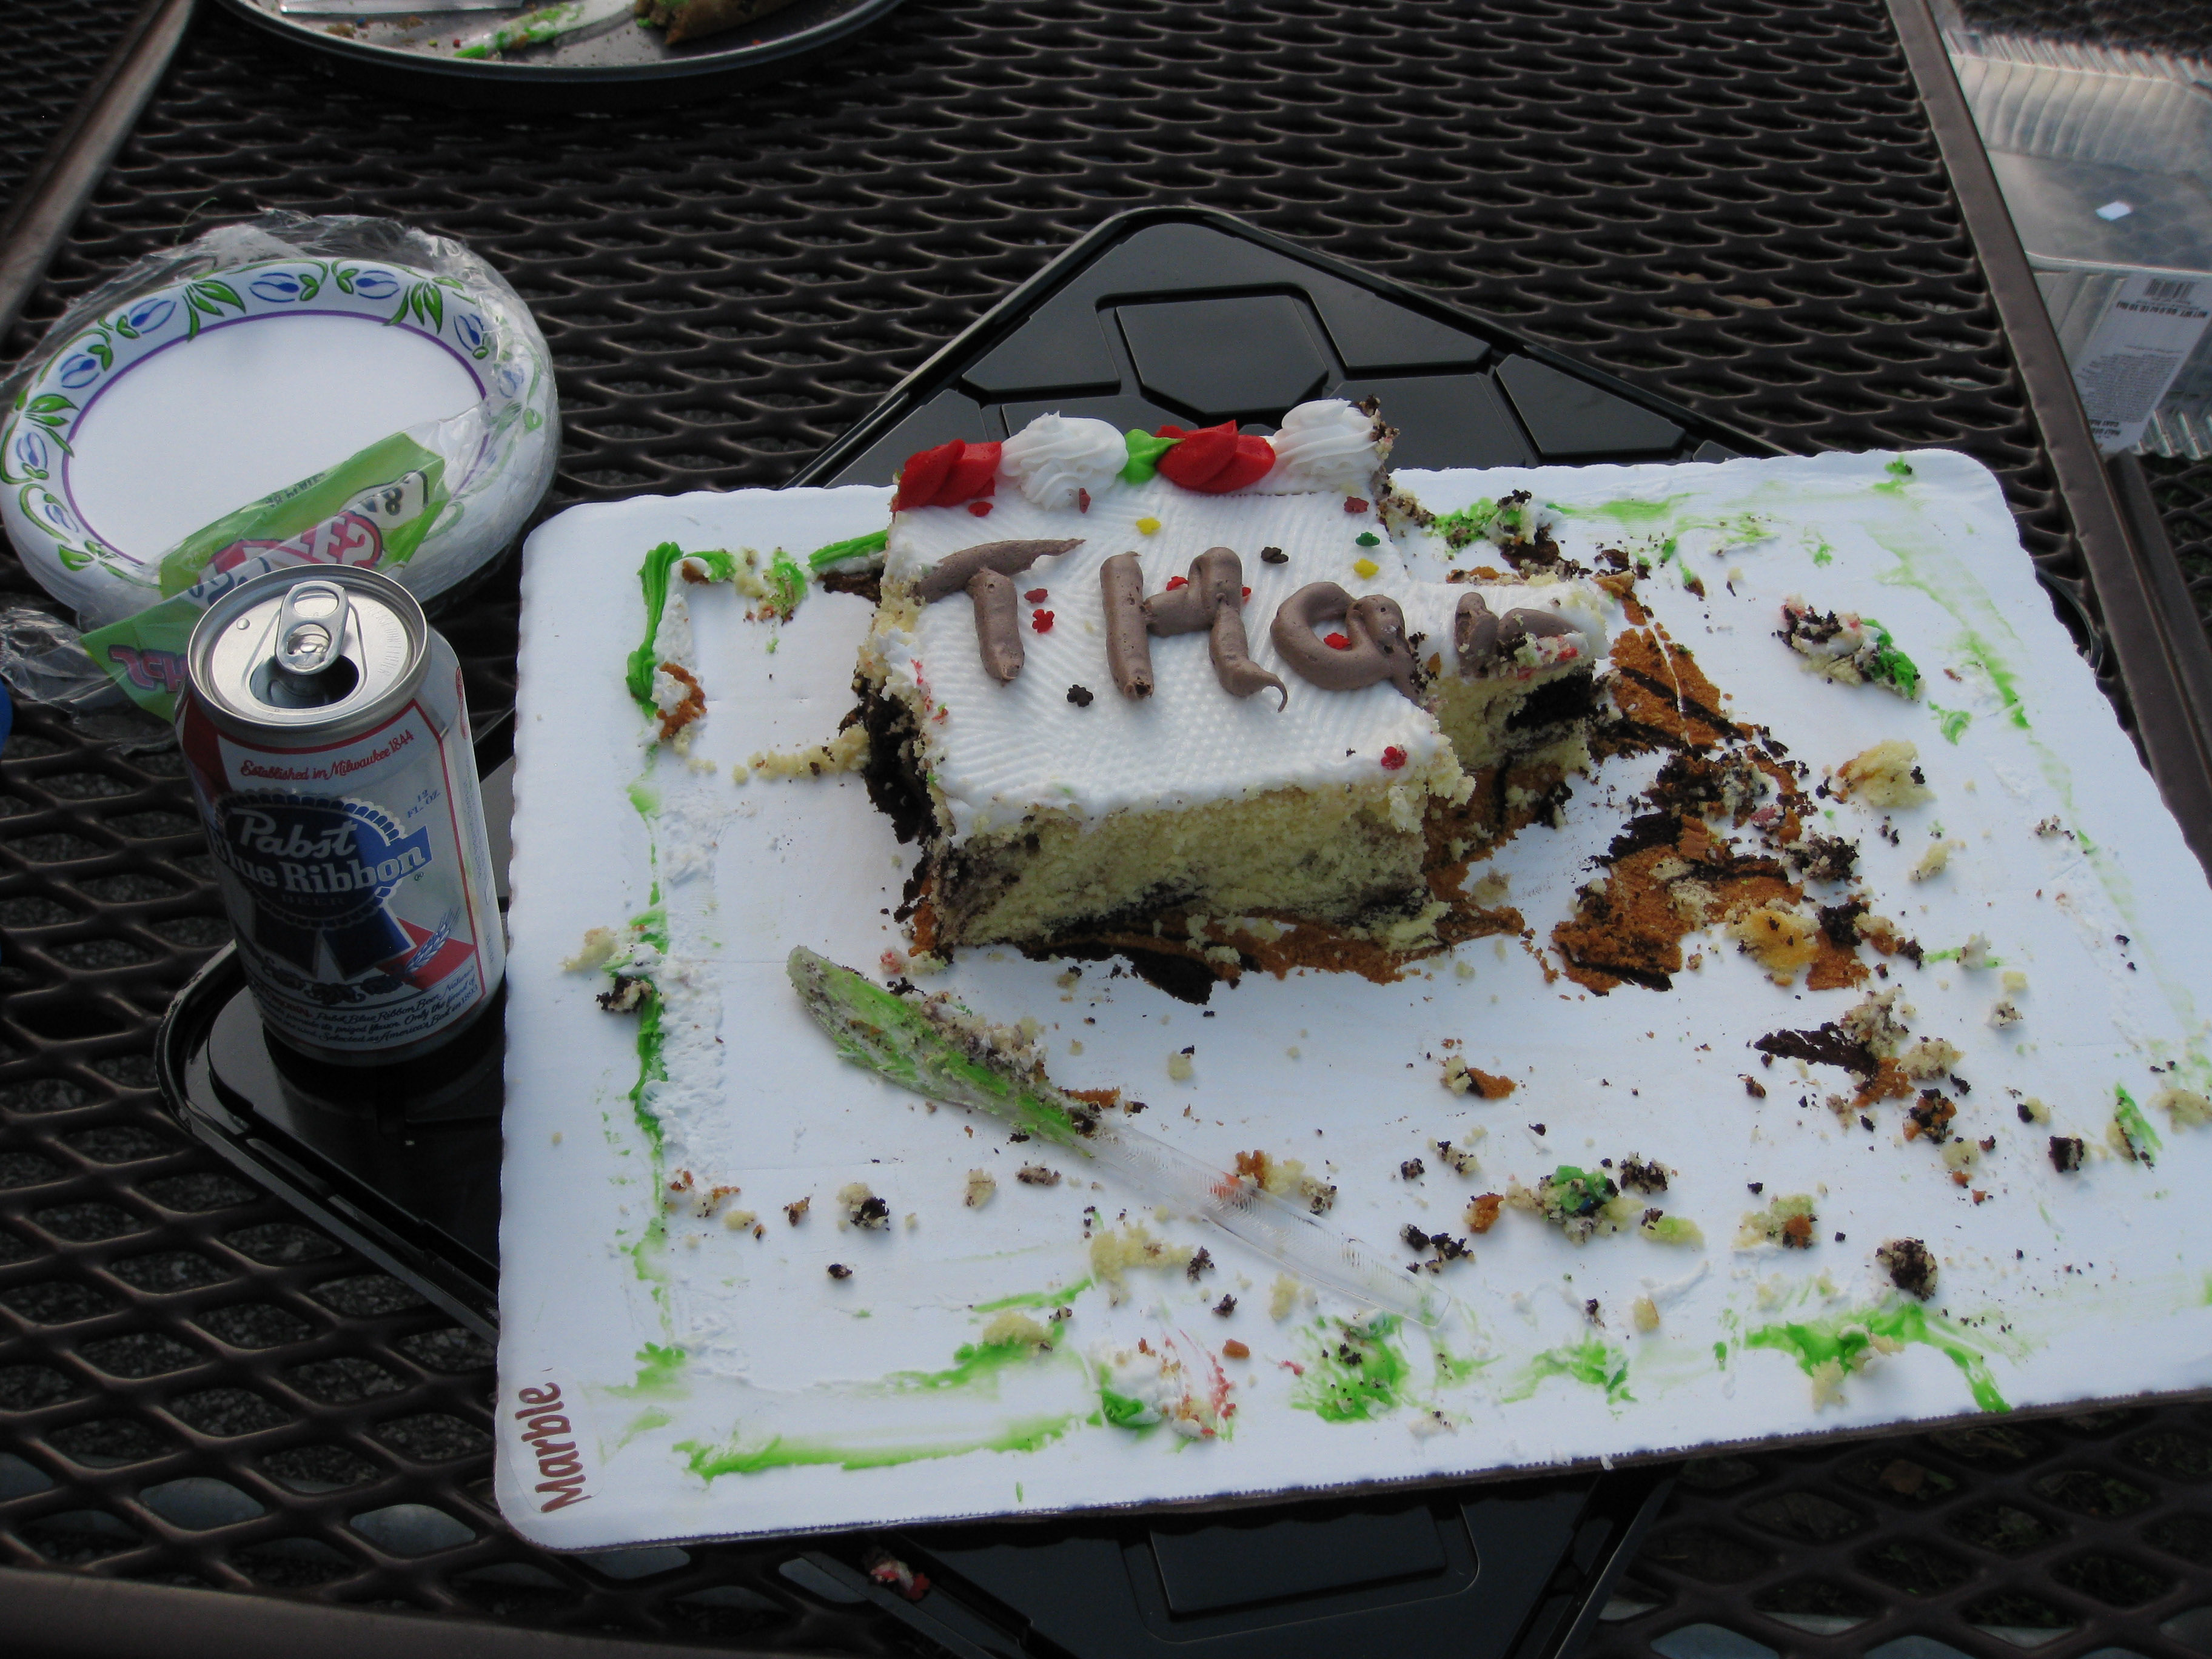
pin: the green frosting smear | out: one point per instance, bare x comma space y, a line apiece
2142, 1139
652, 578
845, 552
1951, 722
1590, 1362
1900, 472
1144, 452
660, 1368
974, 1363
709, 1462
1357, 1376
1847, 1342
1891, 666
1054, 1299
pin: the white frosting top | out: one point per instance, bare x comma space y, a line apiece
1052, 458
1325, 444
998, 752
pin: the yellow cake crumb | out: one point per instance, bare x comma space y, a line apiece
739, 1221
1778, 938
1179, 1065
1114, 1253
2187, 1108
1934, 862
599, 948
982, 1185
1647, 1314
845, 752
1282, 1296
1886, 776
1015, 1330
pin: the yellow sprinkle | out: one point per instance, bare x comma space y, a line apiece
1148, 525
1365, 567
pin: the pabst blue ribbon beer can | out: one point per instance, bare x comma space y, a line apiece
324, 733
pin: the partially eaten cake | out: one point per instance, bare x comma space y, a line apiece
1117, 680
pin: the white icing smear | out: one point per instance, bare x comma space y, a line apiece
1325, 445
998, 752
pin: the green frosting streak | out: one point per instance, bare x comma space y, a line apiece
1720, 1355
1846, 1341
2007, 682
644, 797
652, 1068
658, 1365
653, 577
1951, 722
709, 1461
1589, 1361
1460, 528
1124, 1413
786, 584
652, 925
1144, 452
2142, 1139
875, 1028
1634, 512
1359, 1377
837, 553
1899, 470
1059, 1298
974, 1363
1891, 665
1824, 555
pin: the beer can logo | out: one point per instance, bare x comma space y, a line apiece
320, 869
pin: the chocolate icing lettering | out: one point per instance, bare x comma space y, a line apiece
998, 623
951, 574
1128, 648
1482, 640
1374, 625
1212, 600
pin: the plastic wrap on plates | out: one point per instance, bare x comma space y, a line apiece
431, 504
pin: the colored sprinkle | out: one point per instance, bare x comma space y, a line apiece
980, 510
1034, 596
1174, 582
1336, 642
1353, 504
1368, 538
1365, 566
1042, 620
1393, 758
1148, 525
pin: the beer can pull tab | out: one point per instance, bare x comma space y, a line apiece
310, 628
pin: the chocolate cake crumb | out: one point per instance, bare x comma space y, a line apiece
2066, 1152
1225, 1307
839, 1270
1644, 1176
1930, 1116
1201, 1261
1910, 1266
1829, 1045
792, 1212
1273, 556
1037, 1175
1411, 1169
1080, 696
1752, 1086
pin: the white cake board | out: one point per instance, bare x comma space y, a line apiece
712, 1384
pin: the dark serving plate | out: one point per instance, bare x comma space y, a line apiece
620, 67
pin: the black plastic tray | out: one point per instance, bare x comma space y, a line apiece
1189, 315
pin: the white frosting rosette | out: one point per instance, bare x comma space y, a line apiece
1327, 444
1054, 460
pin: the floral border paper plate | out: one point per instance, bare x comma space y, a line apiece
484, 333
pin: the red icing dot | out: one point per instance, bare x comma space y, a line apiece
1082, 501
1353, 504
1336, 642
980, 510
1393, 758
1042, 620
1247, 592
1174, 582
1034, 596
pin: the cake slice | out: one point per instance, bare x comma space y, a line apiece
1120, 681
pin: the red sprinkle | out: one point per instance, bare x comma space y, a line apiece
1042, 620
1393, 758
1082, 501
1353, 504
1174, 582
1247, 592
1336, 642
1034, 596
980, 510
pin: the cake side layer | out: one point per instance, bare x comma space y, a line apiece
1347, 855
